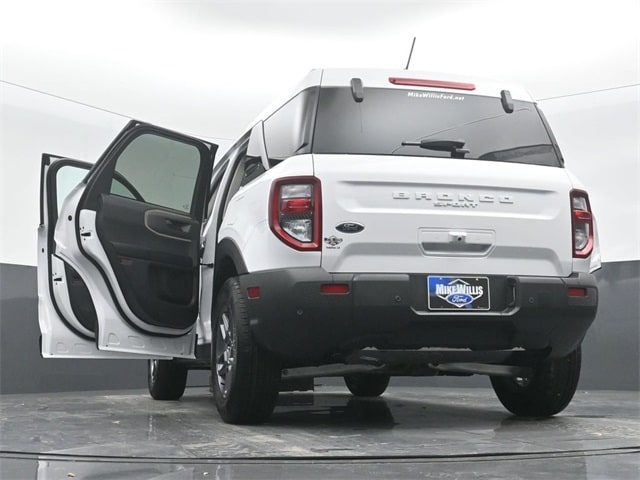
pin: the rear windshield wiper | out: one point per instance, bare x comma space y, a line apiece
452, 146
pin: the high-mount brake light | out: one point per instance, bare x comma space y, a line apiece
581, 224
423, 82
295, 212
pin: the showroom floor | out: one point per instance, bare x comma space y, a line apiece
408, 433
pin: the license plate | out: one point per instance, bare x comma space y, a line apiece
458, 293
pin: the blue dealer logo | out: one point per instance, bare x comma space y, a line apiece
458, 292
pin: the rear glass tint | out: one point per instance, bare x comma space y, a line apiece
388, 117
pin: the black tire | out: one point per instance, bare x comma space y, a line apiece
363, 385
547, 392
245, 377
167, 379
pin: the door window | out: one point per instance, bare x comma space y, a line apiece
158, 170
247, 162
67, 177
238, 173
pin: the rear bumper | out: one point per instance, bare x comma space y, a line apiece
293, 319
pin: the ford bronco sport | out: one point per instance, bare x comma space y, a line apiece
373, 224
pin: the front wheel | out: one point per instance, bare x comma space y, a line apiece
547, 392
167, 379
362, 385
245, 377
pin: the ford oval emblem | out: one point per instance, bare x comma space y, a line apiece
349, 227
459, 299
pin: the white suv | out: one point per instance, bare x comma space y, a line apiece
376, 223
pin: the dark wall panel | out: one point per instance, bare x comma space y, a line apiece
23, 370
611, 349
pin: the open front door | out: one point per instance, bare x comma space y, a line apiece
130, 231
65, 310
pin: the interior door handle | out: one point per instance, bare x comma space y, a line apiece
169, 224
184, 227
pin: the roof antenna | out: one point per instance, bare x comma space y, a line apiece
410, 53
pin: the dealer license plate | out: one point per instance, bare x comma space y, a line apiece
458, 293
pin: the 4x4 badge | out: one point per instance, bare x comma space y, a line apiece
332, 241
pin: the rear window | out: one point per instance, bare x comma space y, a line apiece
387, 118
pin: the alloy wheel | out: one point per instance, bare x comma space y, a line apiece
225, 353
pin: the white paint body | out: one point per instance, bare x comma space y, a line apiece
520, 212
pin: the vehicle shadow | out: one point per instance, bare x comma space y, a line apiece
338, 410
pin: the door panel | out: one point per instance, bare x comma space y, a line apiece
132, 233
83, 325
114, 333
138, 229
153, 254
80, 299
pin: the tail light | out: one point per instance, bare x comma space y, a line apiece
581, 224
296, 212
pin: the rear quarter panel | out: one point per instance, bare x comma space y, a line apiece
246, 221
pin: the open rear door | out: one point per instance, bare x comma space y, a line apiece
129, 234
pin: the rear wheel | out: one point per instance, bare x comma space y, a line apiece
547, 392
362, 385
167, 379
245, 377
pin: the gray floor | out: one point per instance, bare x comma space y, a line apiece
408, 433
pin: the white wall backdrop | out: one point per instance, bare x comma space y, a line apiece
599, 134
72, 73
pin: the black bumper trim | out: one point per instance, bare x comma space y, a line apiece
293, 319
